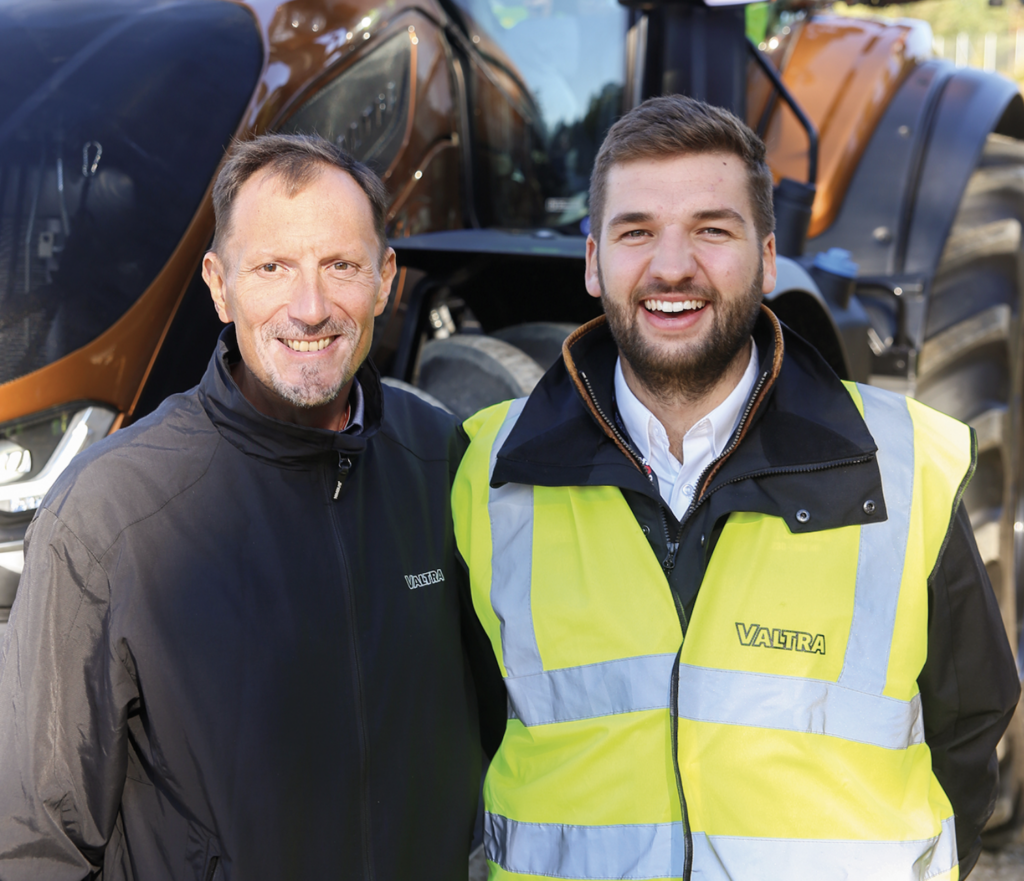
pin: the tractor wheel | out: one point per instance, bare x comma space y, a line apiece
970, 367
541, 340
467, 373
418, 392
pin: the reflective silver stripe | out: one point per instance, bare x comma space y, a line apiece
636, 851
627, 685
883, 546
656, 851
511, 511
721, 858
789, 703
729, 697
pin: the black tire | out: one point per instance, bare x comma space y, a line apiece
541, 340
468, 373
426, 397
971, 367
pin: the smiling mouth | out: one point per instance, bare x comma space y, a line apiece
309, 345
671, 306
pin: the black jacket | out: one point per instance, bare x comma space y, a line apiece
800, 446
215, 670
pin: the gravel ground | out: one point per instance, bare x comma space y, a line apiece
1005, 865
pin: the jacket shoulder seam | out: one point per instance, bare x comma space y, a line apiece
116, 537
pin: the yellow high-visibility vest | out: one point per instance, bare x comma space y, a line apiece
800, 734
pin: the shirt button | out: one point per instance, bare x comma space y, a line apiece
688, 489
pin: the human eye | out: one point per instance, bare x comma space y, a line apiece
343, 270
636, 234
268, 268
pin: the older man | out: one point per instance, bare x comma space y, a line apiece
235, 651
742, 620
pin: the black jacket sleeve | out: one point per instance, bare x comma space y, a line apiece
64, 696
969, 687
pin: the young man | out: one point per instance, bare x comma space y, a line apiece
235, 650
739, 610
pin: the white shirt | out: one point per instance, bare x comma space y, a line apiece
702, 444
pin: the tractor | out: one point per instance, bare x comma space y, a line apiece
899, 204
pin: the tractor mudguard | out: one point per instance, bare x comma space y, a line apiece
837, 331
905, 191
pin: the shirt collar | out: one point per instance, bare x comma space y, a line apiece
357, 409
644, 428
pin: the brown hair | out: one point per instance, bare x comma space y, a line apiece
298, 161
675, 125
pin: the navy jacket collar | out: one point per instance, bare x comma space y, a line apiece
801, 421
282, 443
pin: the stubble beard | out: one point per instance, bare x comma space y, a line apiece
687, 373
317, 387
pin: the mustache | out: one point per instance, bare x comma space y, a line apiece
296, 330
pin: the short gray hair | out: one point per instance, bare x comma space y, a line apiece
297, 160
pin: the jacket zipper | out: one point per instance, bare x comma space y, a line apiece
673, 546
211, 870
670, 560
344, 467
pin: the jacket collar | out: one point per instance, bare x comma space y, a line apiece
799, 419
271, 440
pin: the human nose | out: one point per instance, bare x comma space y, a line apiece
308, 303
674, 260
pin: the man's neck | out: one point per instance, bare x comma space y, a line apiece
677, 413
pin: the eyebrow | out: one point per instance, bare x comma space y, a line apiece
630, 217
719, 214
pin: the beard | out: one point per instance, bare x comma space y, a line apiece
687, 372
317, 386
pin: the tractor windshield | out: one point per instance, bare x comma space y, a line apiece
113, 117
537, 148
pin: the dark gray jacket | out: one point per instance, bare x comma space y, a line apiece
214, 669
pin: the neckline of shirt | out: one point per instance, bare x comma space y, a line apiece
645, 429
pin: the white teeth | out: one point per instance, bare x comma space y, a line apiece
308, 345
673, 305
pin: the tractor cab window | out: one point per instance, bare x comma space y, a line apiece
113, 118
549, 85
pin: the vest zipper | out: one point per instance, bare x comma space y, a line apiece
668, 564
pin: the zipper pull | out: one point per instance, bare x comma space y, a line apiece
344, 466
669, 563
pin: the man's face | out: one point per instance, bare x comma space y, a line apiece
680, 269
300, 277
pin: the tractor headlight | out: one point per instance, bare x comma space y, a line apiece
34, 450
